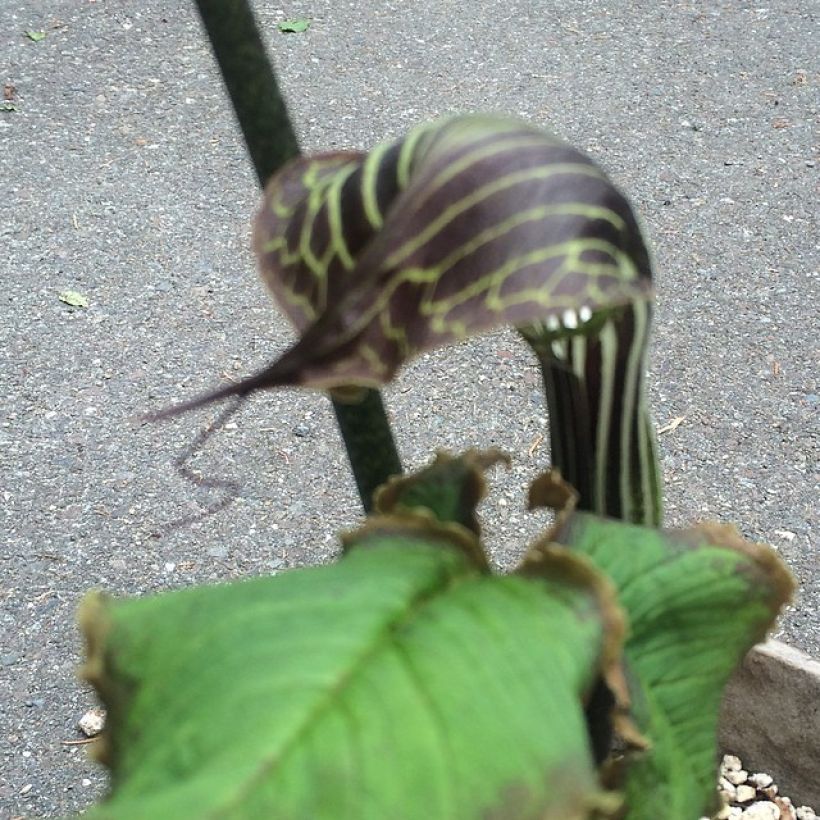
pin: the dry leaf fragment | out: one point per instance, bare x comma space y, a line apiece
73, 298
672, 425
535, 445
780, 122
9, 91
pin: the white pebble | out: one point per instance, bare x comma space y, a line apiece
761, 811
745, 793
92, 722
730, 763
805, 813
736, 776
725, 785
760, 780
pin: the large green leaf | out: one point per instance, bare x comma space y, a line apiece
402, 682
697, 601
464, 225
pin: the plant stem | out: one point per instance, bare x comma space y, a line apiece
251, 83
367, 435
271, 142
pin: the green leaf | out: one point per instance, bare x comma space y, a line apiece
294, 26
7, 105
401, 682
73, 298
697, 601
450, 488
36, 36
464, 225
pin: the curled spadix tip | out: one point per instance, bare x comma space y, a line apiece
194, 404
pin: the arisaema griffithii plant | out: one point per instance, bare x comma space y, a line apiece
407, 680
463, 226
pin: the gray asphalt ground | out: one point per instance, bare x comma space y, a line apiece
124, 178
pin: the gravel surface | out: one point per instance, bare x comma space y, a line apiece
125, 179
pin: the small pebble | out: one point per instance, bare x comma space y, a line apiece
729, 794
92, 722
730, 763
760, 780
745, 793
301, 430
762, 810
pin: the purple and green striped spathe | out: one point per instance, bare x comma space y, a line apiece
463, 226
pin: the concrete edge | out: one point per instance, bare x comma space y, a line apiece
770, 718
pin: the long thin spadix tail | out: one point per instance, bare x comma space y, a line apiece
271, 376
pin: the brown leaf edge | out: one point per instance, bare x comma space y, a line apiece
763, 556
549, 559
550, 491
387, 498
94, 622
422, 524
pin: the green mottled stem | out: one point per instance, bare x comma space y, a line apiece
271, 142
601, 435
369, 442
251, 83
